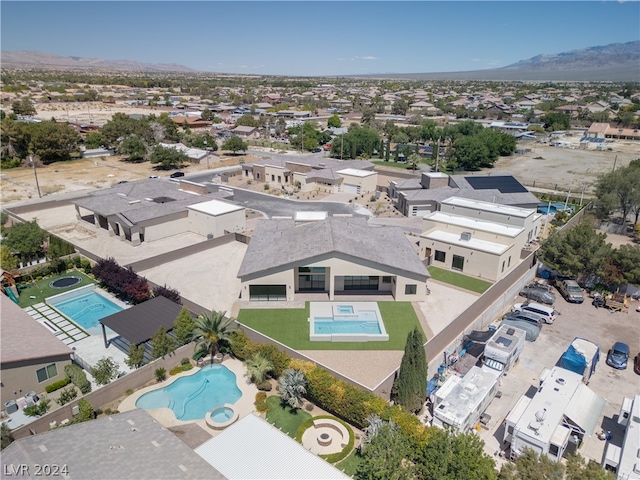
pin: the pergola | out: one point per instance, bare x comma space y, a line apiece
138, 323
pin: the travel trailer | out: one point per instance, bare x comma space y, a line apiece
503, 350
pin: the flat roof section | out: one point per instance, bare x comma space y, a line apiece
503, 183
215, 207
356, 173
474, 224
309, 216
472, 243
489, 207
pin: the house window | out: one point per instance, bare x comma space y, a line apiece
458, 263
361, 283
257, 176
410, 289
279, 179
554, 450
47, 372
503, 265
510, 429
440, 256
509, 261
273, 178
386, 279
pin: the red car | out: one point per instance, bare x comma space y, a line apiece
636, 364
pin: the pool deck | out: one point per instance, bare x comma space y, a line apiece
244, 406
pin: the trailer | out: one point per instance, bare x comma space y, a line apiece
461, 401
503, 349
581, 357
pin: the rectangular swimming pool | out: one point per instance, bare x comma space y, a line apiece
338, 322
87, 310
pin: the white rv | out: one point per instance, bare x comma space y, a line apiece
461, 401
556, 419
625, 461
503, 349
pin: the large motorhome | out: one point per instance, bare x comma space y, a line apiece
461, 401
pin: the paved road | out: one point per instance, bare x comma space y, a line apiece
277, 206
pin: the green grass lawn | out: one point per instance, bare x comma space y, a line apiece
284, 417
42, 290
350, 464
290, 327
459, 280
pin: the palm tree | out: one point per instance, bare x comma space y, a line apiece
258, 367
292, 386
212, 329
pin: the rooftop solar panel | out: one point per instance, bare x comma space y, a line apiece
504, 184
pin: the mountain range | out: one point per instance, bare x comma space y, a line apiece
617, 62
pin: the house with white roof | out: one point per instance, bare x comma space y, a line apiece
477, 238
333, 257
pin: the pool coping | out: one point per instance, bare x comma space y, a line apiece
329, 310
243, 406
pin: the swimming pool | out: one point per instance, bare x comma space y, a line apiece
553, 208
340, 322
191, 397
330, 326
87, 310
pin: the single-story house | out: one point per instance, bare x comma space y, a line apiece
478, 238
191, 121
245, 131
31, 358
335, 256
156, 208
195, 155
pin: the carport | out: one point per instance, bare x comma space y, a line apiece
138, 324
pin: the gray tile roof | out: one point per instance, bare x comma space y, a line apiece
130, 200
281, 243
130, 445
24, 339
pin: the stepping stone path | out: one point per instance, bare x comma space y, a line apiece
68, 332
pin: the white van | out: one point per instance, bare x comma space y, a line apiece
547, 313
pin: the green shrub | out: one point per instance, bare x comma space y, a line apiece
278, 359
185, 361
78, 378
261, 402
86, 412
176, 370
308, 407
57, 385
67, 395
264, 386
39, 409
129, 391
160, 373
241, 346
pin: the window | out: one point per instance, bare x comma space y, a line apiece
311, 282
510, 429
361, 283
554, 450
440, 256
267, 293
503, 265
273, 178
509, 261
410, 289
458, 263
279, 179
386, 279
47, 372
257, 176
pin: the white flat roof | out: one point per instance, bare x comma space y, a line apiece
252, 448
489, 207
354, 172
310, 216
630, 455
436, 174
472, 244
215, 207
474, 223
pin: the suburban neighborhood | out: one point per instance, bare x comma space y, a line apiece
312, 278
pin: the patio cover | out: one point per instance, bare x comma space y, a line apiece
585, 409
138, 323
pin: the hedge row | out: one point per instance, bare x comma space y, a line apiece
78, 377
338, 397
57, 385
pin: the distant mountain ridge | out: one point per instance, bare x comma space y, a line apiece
25, 58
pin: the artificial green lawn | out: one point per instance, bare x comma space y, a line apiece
290, 327
459, 280
42, 290
284, 417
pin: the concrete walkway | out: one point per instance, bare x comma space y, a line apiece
68, 332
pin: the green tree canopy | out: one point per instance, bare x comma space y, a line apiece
212, 330
24, 106
162, 343
133, 147
620, 190
555, 121
52, 141
25, 238
235, 144
409, 388
168, 157
247, 120
384, 456
93, 140
183, 326
334, 121
292, 386
135, 357
8, 261
104, 371
358, 141
579, 251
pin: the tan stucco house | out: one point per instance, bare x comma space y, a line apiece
336, 256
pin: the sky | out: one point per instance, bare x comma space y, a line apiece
306, 38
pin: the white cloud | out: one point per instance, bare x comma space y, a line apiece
369, 57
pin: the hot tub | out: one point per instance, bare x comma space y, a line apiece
221, 417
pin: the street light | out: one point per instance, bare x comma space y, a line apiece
35, 175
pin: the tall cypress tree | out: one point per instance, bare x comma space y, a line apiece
409, 388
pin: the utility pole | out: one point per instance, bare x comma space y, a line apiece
614, 164
35, 175
341, 145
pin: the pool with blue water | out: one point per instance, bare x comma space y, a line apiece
87, 310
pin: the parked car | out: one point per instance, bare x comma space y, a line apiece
525, 317
548, 314
538, 294
636, 364
570, 290
177, 174
618, 356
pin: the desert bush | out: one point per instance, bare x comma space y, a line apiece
160, 374
67, 395
261, 402
57, 385
78, 378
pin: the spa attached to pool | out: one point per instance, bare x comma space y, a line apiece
346, 322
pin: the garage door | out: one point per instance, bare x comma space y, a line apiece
348, 188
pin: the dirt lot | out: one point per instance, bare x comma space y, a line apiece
600, 326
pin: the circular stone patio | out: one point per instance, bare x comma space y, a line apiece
325, 436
